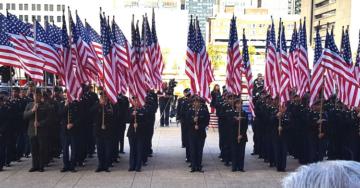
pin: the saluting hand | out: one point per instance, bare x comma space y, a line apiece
103, 127
69, 126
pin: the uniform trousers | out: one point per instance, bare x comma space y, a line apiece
136, 148
67, 141
196, 151
317, 149
2, 151
39, 146
103, 152
10, 148
280, 150
238, 155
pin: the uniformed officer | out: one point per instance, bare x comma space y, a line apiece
198, 119
295, 108
226, 129
149, 129
4, 125
18, 106
353, 134
268, 133
318, 131
178, 117
40, 115
258, 123
185, 107
25, 125
303, 129
164, 103
337, 119
281, 135
138, 119
121, 106
220, 103
71, 114
238, 119
328, 107
103, 131
90, 139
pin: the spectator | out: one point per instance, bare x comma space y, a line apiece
257, 83
334, 174
214, 95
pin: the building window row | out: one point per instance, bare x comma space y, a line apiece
38, 18
34, 7
326, 14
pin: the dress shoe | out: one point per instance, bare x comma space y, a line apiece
98, 170
41, 170
253, 153
64, 170
112, 165
259, 157
182, 146
295, 158
27, 156
90, 156
187, 160
222, 160
33, 169
242, 170
18, 160
190, 165
107, 170
233, 170
219, 156
116, 161
47, 165
144, 164
122, 152
266, 161
200, 170
150, 155
130, 170
192, 170
138, 170
118, 157
280, 170
7, 165
81, 164
73, 170
52, 160
227, 164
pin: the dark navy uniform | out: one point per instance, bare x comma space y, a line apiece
4, 126
353, 135
238, 148
197, 136
281, 140
185, 107
150, 109
317, 146
90, 140
71, 114
122, 105
225, 133
136, 137
269, 145
178, 117
103, 136
338, 126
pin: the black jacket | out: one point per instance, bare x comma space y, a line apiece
141, 120
214, 96
97, 109
234, 123
286, 124
313, 126
4, 121
17, 111
203, 121
74, 114
44, 115
353, 126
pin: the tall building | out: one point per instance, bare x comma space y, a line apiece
238, 6
201, 9
337, 13
171, 4
278, 7
297, 7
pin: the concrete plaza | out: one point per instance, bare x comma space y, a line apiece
167, 168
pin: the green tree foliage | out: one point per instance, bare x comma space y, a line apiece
216, 54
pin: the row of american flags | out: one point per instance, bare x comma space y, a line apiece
84, 56
285, 70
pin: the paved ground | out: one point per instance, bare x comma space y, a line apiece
166, 169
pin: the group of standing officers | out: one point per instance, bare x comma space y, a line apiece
47, 125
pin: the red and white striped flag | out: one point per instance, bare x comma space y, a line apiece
285, 71
158, 57
246, 69
190, 57
303, 64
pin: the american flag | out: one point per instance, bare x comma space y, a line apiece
15, 57
81, 73
275, 90
318, 70
108, 61
346, 54
29, 61
54, 35
122, 52
248, 73
158, 56
201, 63
137, 69
293, 60
333, 61
147, 48
356, 70
72, 84
95, 41
285, 71
22, 28
190, 57
88, 57
303, 64
269, 67
46, 49
151, 53
233, 73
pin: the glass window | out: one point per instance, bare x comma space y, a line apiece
20, 6
58, 18
46, 7
252, 26
26, 17
39, 18
261, 25
46, 18
8, 6
26, 7
33, 17
39, 7
21, 17
63, 7
33, 7
13, 6
51, 18
58, 8
51, 7
1, 6
216, 30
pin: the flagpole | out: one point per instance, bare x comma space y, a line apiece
280, 27
19, 77
239, 129
293, 89
69, 21
36, 104
196, 28
322, 91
